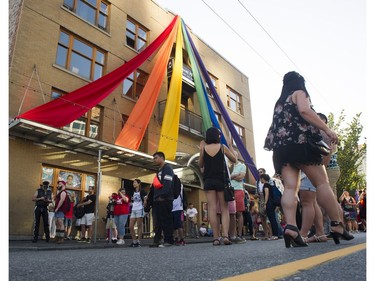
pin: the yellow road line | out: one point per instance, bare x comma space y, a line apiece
284, 270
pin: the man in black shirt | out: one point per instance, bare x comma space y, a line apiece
87, 220
42, 197
163, 201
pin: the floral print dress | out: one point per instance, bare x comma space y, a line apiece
288, 127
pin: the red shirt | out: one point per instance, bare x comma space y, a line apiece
69, 214
121, 207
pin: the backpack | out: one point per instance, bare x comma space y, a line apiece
176, 187
276, 196
79, 212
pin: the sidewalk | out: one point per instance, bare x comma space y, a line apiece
42, 245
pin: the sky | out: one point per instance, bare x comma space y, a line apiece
325, 41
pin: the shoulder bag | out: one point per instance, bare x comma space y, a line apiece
228, 188
317, 145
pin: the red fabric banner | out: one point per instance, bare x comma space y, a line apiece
62, 111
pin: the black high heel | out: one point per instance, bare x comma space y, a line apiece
336, 235
289, 240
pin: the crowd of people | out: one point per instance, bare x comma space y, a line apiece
298, 204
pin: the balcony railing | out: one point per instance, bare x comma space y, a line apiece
187, 73
189, 121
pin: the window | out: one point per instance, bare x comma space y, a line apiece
136, 35
80, 57
76, 182
241, 132
134, 84
234, 101
88, 125
214, 82
93, 11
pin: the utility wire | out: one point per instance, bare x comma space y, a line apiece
258, 54
247, 43
281, 49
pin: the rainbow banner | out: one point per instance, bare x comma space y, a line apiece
64, 110
171, 119
135, 127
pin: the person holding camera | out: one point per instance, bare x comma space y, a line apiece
42, 197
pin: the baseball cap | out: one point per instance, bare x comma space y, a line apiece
63, 182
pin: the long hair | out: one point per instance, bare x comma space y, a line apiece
292, 82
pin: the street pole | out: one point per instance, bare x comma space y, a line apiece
99, 183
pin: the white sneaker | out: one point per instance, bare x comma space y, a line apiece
120, 242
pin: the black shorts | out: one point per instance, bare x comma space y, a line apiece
177, 219
295, 155
214, 184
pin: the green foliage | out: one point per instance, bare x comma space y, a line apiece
350, 153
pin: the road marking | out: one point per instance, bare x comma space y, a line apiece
291, 268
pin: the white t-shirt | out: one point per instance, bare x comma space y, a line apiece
137, 201
177, 203
191, 212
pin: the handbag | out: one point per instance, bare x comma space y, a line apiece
228, 188
317, 145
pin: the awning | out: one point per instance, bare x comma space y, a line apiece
75, 143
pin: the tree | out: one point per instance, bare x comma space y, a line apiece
350, 153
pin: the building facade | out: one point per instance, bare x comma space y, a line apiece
58, 46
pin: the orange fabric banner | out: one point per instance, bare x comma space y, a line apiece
132, 133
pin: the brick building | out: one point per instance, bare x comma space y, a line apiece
58, 46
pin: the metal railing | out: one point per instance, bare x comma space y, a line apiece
189, 121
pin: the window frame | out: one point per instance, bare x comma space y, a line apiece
98, 12
238, 101
86, 118
138, 27
214, 81
136, 84
70, 51
241, 132
57, 173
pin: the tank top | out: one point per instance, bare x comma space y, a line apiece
214, 166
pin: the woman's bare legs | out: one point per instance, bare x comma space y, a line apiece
224, 213
140, 228
212, 217
308, 211
318, 220
290, 177
212, 196
318, 177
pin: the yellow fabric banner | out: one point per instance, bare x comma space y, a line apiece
132, 133
171, 119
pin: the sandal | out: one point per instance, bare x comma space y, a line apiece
216, 242
313, 239
226, 241
254, 238
273, 238
305, 238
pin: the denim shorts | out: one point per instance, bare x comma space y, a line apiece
68, 222
59, 215
137, 214
306, 185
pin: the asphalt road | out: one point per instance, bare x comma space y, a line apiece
200, 261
